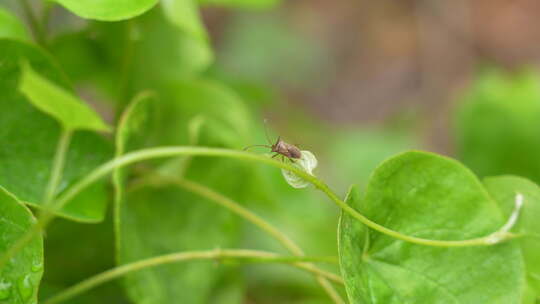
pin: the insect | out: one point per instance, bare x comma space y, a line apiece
280, 147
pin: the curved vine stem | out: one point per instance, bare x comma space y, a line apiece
246, 214
161, 152
253, 256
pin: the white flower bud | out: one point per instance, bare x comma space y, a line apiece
307, 163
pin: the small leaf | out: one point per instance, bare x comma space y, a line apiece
71, 112
308, 163
20, 277
11, 27
428, 196
503, 189
107, 10
29, 139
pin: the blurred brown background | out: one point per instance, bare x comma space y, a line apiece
364, 61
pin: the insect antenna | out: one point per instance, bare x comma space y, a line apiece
266, 131
249, 147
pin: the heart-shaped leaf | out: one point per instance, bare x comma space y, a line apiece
20, 277
432, 197
29, 144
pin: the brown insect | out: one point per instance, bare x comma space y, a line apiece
280, 148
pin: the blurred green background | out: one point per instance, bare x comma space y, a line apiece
352, 81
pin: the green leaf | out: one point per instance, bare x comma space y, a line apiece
19, 279
54, 100
81, 58
497, 122
107, 10
182, 55
29, 139
428, 196
11, 27
184, 14
503, 189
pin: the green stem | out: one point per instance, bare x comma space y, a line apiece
161, 152
254, 219
218, 254
201, 151
57, 167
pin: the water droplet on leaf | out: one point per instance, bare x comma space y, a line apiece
25, 287
307, 163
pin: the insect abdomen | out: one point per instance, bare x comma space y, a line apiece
294, 152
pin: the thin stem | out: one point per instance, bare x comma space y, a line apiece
162, 152
202, 151
218, 254
250, 217
34, 24
57, 166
